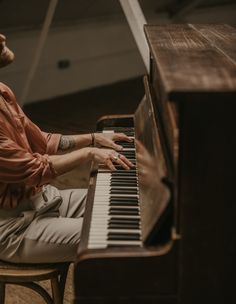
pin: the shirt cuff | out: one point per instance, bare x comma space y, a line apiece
53, 143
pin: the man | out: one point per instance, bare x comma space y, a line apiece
38, 222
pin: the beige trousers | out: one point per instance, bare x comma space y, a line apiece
44, 229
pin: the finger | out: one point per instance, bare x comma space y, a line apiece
116, 159
122, 136
112, 145
124, 160
110, 165
117, 147
122, 164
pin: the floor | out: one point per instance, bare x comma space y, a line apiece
77, 113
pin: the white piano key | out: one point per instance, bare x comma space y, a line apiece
107, 243
102, 205
96, 246
99, 195
108, 216
104, 230
109, 187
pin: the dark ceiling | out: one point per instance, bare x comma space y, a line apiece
19, 14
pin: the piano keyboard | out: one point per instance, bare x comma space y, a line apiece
115, 217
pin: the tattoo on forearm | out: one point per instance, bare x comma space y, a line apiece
66, 143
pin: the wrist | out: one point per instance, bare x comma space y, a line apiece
90, 153
93, 140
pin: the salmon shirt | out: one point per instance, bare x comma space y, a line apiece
24, 153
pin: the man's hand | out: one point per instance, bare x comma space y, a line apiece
108, 140
109, 158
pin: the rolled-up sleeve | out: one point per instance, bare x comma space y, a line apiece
52, 140
46, 142
17, 165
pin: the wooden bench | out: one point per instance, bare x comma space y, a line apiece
28, 274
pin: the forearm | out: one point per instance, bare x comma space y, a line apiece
70, 142
66, 162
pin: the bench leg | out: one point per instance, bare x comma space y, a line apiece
2, 293
56, 292
62, 280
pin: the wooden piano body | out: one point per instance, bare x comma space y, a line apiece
189, 115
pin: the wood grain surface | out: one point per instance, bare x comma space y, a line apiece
188, 60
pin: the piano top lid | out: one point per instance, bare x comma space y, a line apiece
194, 58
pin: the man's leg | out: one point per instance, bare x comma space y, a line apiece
52, 236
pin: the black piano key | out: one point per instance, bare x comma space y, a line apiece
126, 144
118, 167
124, 180
124, 209
124, 191
129, 133
123, 236
120, 198
117, 129
123, 226
124, 203
126, 221
125, 212
128, 181
120, 221
122, 172
121, 245
132, 179
127, 204
122, 130
124, 175
129, 153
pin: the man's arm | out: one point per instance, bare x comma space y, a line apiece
66, 162
70, 142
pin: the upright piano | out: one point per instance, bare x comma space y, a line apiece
165, 231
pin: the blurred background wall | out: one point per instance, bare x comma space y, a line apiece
89, 43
